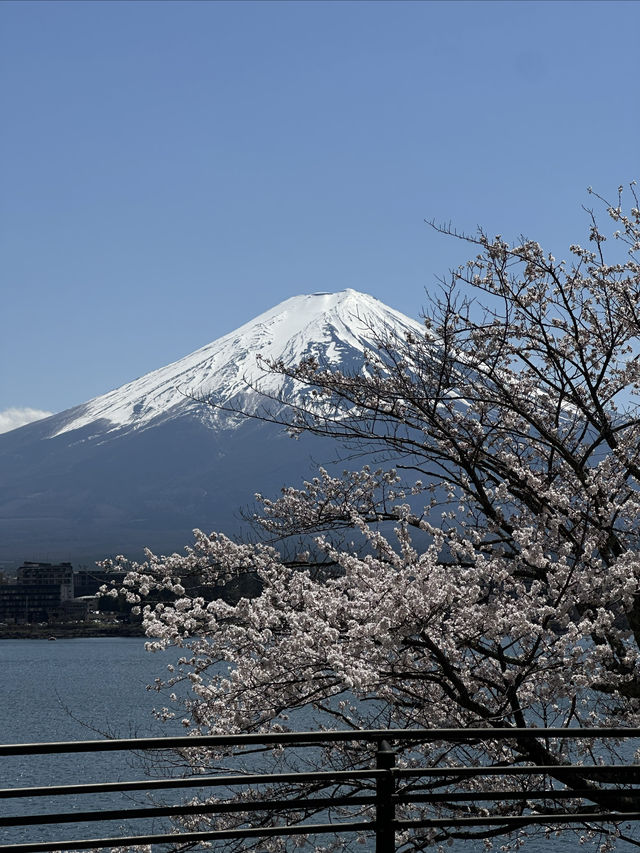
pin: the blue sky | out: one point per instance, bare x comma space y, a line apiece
169, 170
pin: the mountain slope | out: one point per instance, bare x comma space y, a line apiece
144, 464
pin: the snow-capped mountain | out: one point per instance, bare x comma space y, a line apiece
334, 326
144, 464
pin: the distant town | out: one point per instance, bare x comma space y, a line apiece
51, 599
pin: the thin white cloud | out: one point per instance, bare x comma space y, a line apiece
14, 417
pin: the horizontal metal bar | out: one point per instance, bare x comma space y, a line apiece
148, 812
339, 776
188, 837
301, 803
622, 772
317, 739
316, 829
310, 802
316, 803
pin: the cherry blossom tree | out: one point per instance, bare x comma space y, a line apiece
480, 569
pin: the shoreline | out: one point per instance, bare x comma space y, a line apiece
66, 632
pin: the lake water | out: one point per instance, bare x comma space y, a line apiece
73, 690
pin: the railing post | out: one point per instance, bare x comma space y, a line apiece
385, 807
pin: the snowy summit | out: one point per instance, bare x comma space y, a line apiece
334, 327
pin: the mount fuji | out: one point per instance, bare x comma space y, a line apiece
142, 465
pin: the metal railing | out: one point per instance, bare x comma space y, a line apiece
386, 787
